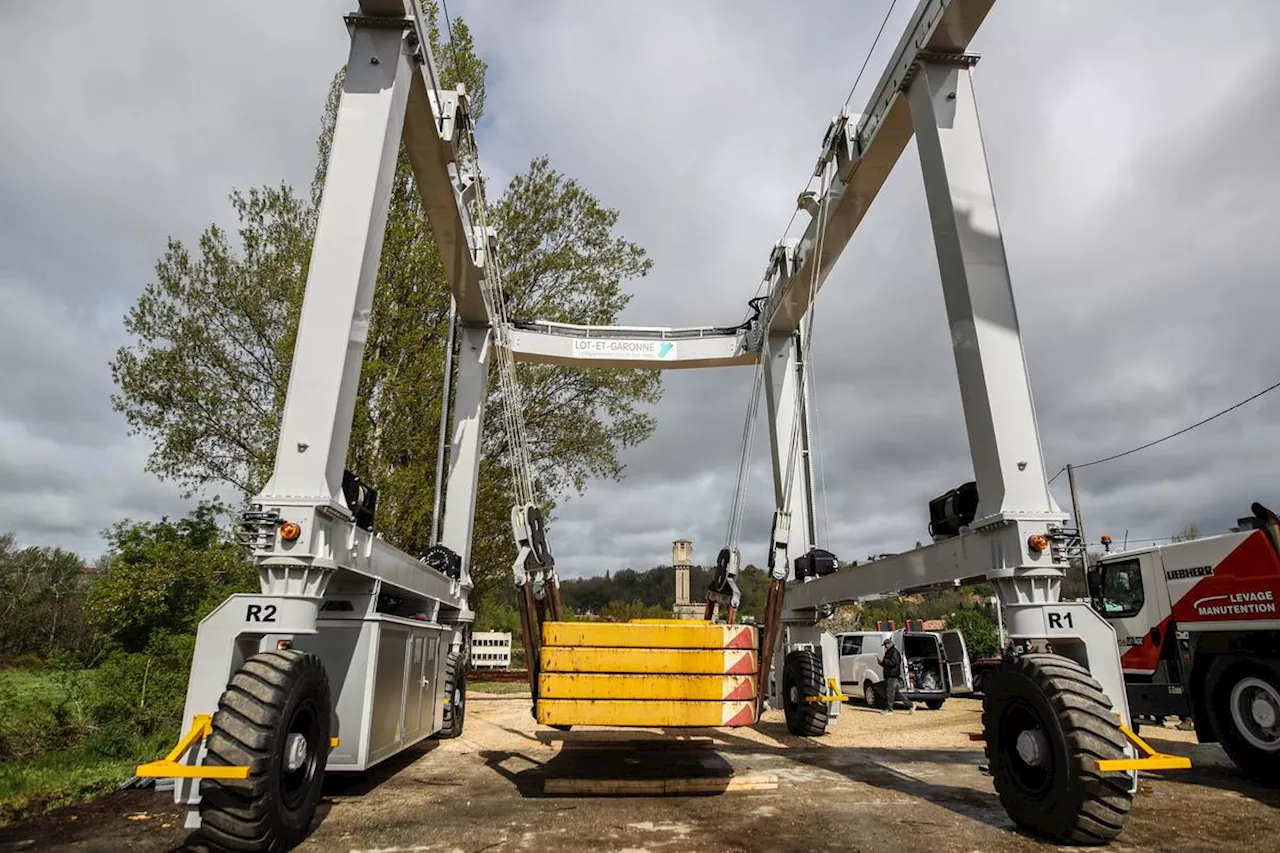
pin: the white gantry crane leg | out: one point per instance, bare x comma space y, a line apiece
470, 395
794, 533
995, 390
354, 650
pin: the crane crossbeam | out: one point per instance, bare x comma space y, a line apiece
866, 146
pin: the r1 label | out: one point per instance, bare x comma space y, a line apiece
1060, 620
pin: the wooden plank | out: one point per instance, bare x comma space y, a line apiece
705, 688
649, 661
650, 634
623, 712
658, 787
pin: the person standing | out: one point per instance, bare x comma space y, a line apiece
891, 664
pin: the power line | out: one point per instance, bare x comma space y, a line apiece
453, 47
874, 42
849, 97
1172, 434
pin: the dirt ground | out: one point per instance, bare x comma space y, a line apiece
901, 783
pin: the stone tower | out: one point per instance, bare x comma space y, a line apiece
682, 559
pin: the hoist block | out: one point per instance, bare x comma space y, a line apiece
647, 673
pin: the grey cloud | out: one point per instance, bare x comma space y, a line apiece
1136, 191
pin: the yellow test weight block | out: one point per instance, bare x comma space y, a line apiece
702, 688
651, 634
646, 661
622, 712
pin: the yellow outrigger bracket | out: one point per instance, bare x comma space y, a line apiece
1151, 759
170, 768
834, 696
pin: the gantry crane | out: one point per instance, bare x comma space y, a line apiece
355, 650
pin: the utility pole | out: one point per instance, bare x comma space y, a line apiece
1075, 507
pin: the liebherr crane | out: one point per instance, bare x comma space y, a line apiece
354, 650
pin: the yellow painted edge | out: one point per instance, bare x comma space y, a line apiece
588, 686
834, 696
640, 713
1151, 759
1154, 762
172, 770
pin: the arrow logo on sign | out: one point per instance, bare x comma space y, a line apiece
663, 349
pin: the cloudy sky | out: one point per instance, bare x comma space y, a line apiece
1131, 148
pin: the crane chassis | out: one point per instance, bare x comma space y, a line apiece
354, 650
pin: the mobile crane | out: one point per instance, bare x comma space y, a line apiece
1199, 633
355, 650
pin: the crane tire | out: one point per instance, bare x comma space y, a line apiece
274, 718
1047, 722
1244, 712
801, 679
455, 691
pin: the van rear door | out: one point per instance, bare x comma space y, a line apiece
959, 674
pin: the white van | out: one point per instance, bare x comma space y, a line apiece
935, 665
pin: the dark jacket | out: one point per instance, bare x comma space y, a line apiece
892, 662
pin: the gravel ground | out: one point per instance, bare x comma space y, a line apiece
900, 784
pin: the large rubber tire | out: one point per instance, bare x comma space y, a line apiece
1244, 710
872, 695
1057, 708
455, 691
802, 678
273, 696
934, 704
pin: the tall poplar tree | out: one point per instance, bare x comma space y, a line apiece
205, 374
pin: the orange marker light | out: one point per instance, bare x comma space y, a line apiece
1038, 542
290, 531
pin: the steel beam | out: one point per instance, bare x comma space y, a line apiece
323, 382
468, 429
629, 347
995, 390
866, 146
785, 392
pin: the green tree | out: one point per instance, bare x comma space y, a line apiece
162, 578
1186, 534
41, 601
212, 336
979, 631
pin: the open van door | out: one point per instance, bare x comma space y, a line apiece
959, 674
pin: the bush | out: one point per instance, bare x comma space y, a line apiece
979, 631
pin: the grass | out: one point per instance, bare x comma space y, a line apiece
503, 687
55, 753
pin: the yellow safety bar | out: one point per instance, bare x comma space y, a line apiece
169, 767
1151, 759
834, 696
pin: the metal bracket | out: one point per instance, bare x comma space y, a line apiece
834, 696
1150, 760
936, 57
170, 768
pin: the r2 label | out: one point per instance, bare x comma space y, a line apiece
260, 613
1060, 620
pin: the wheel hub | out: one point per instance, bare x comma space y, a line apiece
1033, 747
1255, 707
1264, 713
295, 751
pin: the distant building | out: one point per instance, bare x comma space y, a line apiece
491, 650
682, 559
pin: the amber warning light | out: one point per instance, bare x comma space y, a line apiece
290, 531
1038, 542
